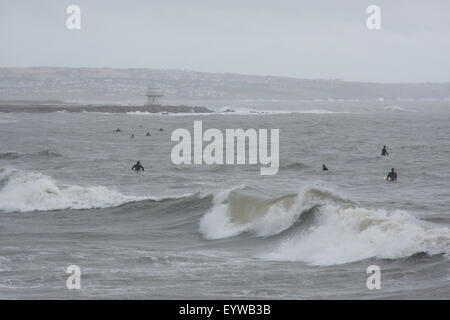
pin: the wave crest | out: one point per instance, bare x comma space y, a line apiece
22, 191
247, 210
340, 231
347, 234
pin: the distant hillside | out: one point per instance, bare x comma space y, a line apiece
104, 84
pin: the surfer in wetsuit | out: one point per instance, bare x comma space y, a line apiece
392, 176
384, 151
324, 168
137, 167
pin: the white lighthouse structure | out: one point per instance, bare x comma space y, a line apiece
154, 96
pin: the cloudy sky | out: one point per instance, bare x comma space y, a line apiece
306, 39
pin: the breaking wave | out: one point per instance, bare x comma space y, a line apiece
246, 210
243, 111
147, 113
22, 191
343, 235
340, 231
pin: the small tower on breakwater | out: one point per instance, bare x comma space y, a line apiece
154, 96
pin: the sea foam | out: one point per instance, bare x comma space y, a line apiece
22, 191
341, 231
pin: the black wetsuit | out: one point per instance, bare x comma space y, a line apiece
392, 176
384, 152
137, 167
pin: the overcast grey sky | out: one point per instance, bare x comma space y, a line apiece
305, 39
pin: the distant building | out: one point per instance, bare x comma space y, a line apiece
154, 96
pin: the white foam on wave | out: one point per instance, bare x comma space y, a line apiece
238, 210
22, 191
243, 111
141, 113
217, 224
238, 111
341, 232
397, 108
343, 235
173, 114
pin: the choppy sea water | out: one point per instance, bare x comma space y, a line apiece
68, 197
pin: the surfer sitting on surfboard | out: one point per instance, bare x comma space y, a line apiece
392, 176
384, 151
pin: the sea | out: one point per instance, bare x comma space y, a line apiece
68, 197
